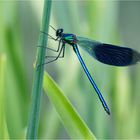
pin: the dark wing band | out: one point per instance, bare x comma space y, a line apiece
115, 55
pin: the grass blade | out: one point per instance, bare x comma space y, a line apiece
38, 75
73, 123
3, 125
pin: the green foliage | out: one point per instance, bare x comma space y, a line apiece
74, 124
115, 22
16, 85
3, 124
38, 75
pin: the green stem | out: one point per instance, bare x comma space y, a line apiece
3, 124
33, 124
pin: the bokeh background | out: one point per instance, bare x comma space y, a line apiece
115, 22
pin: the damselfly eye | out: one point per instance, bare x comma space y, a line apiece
59, 32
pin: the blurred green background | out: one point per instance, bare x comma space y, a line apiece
115, 22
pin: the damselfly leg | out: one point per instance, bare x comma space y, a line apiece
50, 37
62, 51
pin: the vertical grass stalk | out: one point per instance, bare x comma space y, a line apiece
33, 124
3, 124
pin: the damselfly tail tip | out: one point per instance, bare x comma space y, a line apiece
107, 111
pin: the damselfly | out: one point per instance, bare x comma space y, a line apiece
105, 53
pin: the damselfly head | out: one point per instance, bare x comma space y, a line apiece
59, 32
